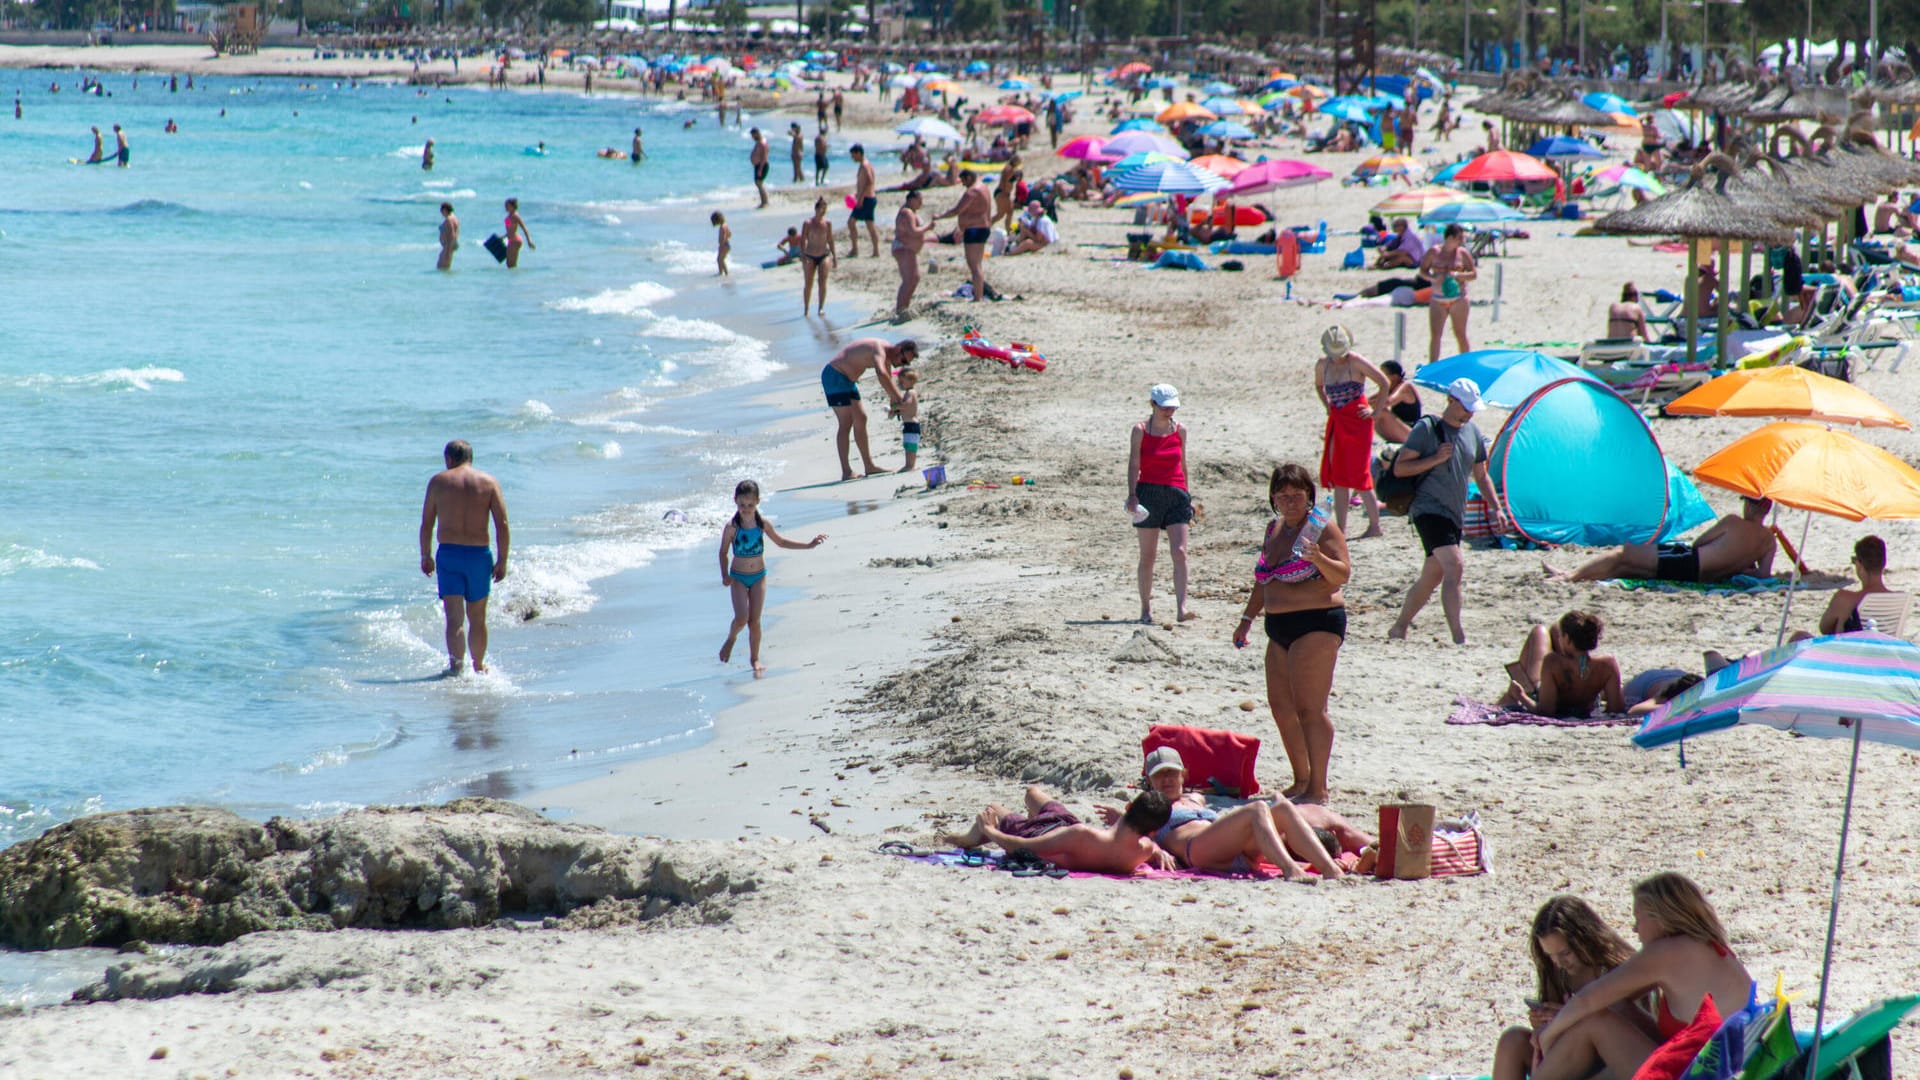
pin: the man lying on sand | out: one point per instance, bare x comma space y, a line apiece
1736, 544
1050, 831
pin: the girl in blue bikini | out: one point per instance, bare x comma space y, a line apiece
743, 568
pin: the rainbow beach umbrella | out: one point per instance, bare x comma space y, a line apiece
1862, 686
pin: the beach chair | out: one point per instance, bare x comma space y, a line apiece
1661, 305
1861, 332
1317, 245
1860, 1048
1487, 243
1885, 612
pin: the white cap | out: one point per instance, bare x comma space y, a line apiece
1162, 759
1165, 396
1466, 392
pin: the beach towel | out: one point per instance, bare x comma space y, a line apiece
1468, 711
1737, 585
1178, 260
991, 860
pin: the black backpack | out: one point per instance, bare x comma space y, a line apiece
1396, 492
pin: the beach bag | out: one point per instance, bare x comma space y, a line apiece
1354, 260
1406, 842
1396, 492
496, 247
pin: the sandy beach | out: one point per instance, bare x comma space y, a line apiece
953, 645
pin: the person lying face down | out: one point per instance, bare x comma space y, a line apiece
1052, 832
1736, 544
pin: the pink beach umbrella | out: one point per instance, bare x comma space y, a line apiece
1271, 175
1003, 116
1141, 142
1084, 147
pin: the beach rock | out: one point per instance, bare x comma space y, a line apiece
197, 875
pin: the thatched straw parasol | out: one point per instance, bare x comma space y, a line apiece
1701, 211
1559, 109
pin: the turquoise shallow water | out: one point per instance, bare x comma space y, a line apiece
226, 374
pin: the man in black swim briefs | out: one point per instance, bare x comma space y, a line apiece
974, 214
759, 157
1736, 544
864, 202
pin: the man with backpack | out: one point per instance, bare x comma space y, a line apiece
1442, 452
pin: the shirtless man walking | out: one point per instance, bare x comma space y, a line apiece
1736, 544
461, 499
760, 164
864, 202
840, 379
799, 151
974, 214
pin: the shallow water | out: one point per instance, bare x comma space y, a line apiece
227, 373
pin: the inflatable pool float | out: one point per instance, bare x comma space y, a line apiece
984, 166
1015, 355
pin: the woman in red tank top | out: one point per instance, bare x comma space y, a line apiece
1157, 496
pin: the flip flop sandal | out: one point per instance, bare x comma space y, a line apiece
1028, 871
902, 848
973, 857
1056, 872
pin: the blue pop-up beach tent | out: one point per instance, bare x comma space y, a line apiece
1575, 463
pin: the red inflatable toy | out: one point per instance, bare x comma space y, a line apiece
1015, 355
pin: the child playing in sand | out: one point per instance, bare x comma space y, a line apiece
789, 247
744, 540
909, 413
726, 240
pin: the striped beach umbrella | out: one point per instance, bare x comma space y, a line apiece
1861, 687
1171, 177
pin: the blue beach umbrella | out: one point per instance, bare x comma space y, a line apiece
1223, 106
1138, 123
975, 67
1282, 83
1609, 103
1226, 129
1064, 95
1170, 177
1160, 82
1015, 84
1563, 148
1353, 109
1472, 212
1505, 376
1140, 160
1218, 88
1445, 176
893, 68
925, 65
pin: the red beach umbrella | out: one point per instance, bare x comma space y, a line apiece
1506, 165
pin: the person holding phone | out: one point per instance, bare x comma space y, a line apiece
1571, 946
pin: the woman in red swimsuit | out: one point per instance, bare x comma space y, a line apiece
1157, 496
1683, 954
517, 233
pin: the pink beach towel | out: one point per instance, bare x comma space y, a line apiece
1468, 711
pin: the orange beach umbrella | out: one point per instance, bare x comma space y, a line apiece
1809, 467
1220, 165
1184, 110
1787, 390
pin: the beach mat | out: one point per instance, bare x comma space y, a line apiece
1737, 585
496, 247
956, 858
1467, 711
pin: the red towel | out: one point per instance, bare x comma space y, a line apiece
1346, 456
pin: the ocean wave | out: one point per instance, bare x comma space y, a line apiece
424, 196
413, 151
641, 206
17, 557
672, 326
677, 258
556, 580
635, 299
536, 411
111, 379
739, 359
609, 450
154, 208
436, 184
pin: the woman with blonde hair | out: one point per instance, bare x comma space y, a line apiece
1684, 954
1571, 946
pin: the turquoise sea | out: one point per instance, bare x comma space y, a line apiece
226, 374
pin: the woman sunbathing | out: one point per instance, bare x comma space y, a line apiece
1558, 673
1571, 946
1231, 841
1684, 954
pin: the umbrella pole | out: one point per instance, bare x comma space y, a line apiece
1833, 907
1726, 286
1692, 291
1793, 582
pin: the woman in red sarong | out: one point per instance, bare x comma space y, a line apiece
1346, 455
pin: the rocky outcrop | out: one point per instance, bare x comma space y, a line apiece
196, 875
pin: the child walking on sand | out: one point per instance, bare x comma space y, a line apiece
909, 413
726, 240
744, 541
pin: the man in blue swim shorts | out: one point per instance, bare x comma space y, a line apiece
461, 500
840, 379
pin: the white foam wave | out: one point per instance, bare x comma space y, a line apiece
427, 196
16, 557
609, 219
413, 151
641, 206
671, 326
609, 450
556, 580
535, 410
113, 378
741, 358
678, 258
632, 300
436, 183
306, 185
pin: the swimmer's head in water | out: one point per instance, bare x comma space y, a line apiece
458, 452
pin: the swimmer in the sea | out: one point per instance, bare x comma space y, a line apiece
449, 236
426, 157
